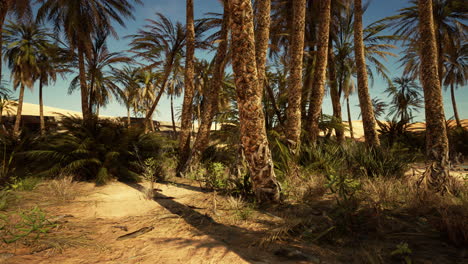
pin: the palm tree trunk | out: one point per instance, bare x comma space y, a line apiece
184, 138
211, 106
454, 105
350, 122
83, 85
365, 102
129, 120
16, 129
271, 96
262, 37
41, 108
437, 175
167, 72
173, 118
249, 94
320, 72
293, 111
334, 94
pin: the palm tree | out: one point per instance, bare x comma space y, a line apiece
249, 94
214, 89
79, 21
348, 89
185, 127
405, 98
319, 80
159, 42
365, 102
456, 71
128, 95
20, 8
296, 49
448, 20
52, 61
25, 43
437, 173
147, 80
175, 87
99, 77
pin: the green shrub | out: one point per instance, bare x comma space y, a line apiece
26, 184
99, 151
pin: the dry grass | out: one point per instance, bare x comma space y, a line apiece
62, 189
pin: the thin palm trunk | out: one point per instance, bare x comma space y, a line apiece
249, 97
19, 110
334, 94
293, 111
83, 85
350, 122
437, 175
262, 37
211, 106
272, 98
167, 72
184, 138
41, 109
365, 102
129, 120
320, 72
454, 105
173, 117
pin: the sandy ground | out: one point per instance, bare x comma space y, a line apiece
183, 231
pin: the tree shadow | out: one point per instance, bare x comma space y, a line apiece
237, 240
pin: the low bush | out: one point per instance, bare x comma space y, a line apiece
99, 151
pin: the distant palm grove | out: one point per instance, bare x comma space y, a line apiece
273, 63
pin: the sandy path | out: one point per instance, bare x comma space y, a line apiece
180, 234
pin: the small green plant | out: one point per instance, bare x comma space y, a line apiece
242, 210
402, 251
26, 184
217, 176
344, 187
32, 225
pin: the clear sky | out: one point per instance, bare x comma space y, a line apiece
56, 95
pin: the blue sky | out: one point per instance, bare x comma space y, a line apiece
56, 95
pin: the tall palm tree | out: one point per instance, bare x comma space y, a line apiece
214, 89
185, 127
20, 8
249, 94
437, 174
53, 61
293, 112
128, 95
7, 103
25, 43
99, 76
79, 21
319, 80
175, 87
456, 71
365, 102
448, 25
405, 98
160, 43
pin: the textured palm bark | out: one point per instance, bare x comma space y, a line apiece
320, 72
211, 106
19, 110
184, 138
249, 97
365, 102
129, 120
454, 105
262, 37
293, 111
334, 94
83, 84
41, 109
437, 175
